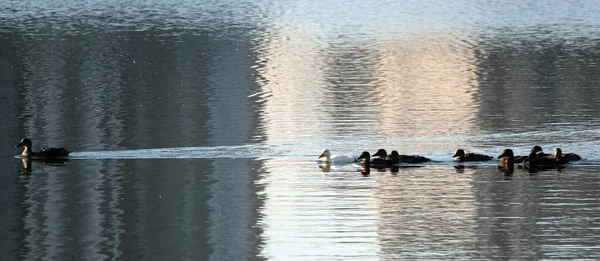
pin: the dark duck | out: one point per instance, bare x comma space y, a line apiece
394, 157
377, 159
43, 153
508, 156
538, 159
568, 156
460, 155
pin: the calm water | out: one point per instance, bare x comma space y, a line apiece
195, 128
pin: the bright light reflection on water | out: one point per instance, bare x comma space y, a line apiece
195, 129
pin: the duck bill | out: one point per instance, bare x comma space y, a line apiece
321, 155
19, 145
455, 155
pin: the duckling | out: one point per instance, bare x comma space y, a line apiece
43, 153
335, 159
395, 157
569, 156
508, 156
460, 155
365, 156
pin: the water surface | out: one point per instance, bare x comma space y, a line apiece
195, 129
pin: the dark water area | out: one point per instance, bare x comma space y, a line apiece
195, 129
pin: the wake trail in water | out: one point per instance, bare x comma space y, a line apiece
243, 151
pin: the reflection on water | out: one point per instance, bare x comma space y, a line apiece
427, 213
196, 126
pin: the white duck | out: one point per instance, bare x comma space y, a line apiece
326, 154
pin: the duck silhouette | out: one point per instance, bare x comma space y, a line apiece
394, 157
460, 155
43, 153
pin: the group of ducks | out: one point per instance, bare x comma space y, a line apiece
536, 158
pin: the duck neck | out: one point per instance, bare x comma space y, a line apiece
26, 151
366, 160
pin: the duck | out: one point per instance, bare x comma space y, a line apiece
43, 153
365, 156
326, 154
508, 156
538, 159
395, 157
460, 155
569, 156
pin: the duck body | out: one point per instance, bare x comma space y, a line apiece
328, 158
413, 159
396, 158
43, 153
460, 155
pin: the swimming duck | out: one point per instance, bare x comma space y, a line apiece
395, 157
508, 156
326, 154
568, 156
538, 159
367, 160
43, 153
460, 155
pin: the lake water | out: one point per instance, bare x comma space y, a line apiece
195, 128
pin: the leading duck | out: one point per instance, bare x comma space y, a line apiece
43, 153
460, 155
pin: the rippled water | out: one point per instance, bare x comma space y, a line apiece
195, 129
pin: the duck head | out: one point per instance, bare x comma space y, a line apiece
536, 150
381, 153
325, 154
459, 153
25, 142
508, 153
365, 156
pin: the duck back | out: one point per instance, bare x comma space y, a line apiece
50, 153
474, 157
413, 159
